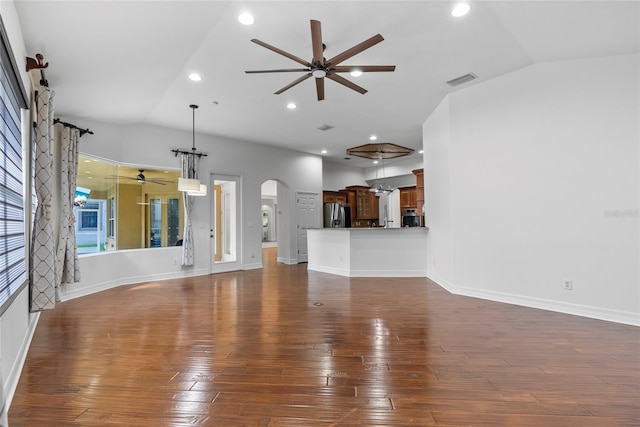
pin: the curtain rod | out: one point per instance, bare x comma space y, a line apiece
69, 125
193, 153
38, 64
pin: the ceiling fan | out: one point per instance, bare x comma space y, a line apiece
319, 67
143, 179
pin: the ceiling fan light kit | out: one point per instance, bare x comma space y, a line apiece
321, 68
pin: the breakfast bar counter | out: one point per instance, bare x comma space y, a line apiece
368, 252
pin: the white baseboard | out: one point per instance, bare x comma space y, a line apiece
617, 316
367, 273
252, 266
14, 374
388, 273
323, 269
71, 291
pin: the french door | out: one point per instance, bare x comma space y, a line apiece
163, 220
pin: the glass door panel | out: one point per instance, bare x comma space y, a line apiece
155, 223
164, 220
173, 221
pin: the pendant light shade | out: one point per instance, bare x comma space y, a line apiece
202, 191
189, 182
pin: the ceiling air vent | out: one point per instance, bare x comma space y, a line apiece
462, 79
325, 127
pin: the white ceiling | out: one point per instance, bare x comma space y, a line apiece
128, 62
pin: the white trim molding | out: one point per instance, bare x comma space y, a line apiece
617, 316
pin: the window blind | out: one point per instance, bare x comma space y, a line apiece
12, 211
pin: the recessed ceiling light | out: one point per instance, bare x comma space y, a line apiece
375, 162
460, 9
373, 138
420, 151
195, 77
291, 106
356, 73
245, 18
323, 152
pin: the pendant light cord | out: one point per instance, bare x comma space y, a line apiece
192, 174
193, 108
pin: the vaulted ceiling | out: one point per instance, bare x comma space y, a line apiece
128, 62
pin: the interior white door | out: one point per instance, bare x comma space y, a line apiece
308, 216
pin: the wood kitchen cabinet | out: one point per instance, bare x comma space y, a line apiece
419, 173
364, 205
334, 197
408, 198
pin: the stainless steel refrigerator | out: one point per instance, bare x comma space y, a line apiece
337, 215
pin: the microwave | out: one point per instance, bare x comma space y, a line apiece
410, 221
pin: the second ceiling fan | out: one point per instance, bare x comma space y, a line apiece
319, 67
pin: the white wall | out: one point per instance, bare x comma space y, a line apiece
147, 145
533, 178
336, 177
400, 167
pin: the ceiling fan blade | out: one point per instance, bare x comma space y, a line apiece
316, 42
339, 79
282, 52
320, 88
363, 68
283, 70
293, 83
355, 50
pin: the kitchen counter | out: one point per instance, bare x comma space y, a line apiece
368, 252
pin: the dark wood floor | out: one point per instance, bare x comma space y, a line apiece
283, 346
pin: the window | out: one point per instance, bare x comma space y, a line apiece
13, 276
126, 207
89, 217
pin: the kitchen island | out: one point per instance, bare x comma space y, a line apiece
368, 252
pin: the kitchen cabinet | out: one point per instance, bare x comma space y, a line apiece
366, 204
419, 173
408, 198
334, 197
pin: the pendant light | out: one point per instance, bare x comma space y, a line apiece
190, 184
380, 187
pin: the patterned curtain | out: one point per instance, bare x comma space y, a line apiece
67, 266
42, 272
189, 170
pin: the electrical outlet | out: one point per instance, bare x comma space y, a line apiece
568, 285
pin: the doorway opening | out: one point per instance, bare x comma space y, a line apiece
268, 211
225, 221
